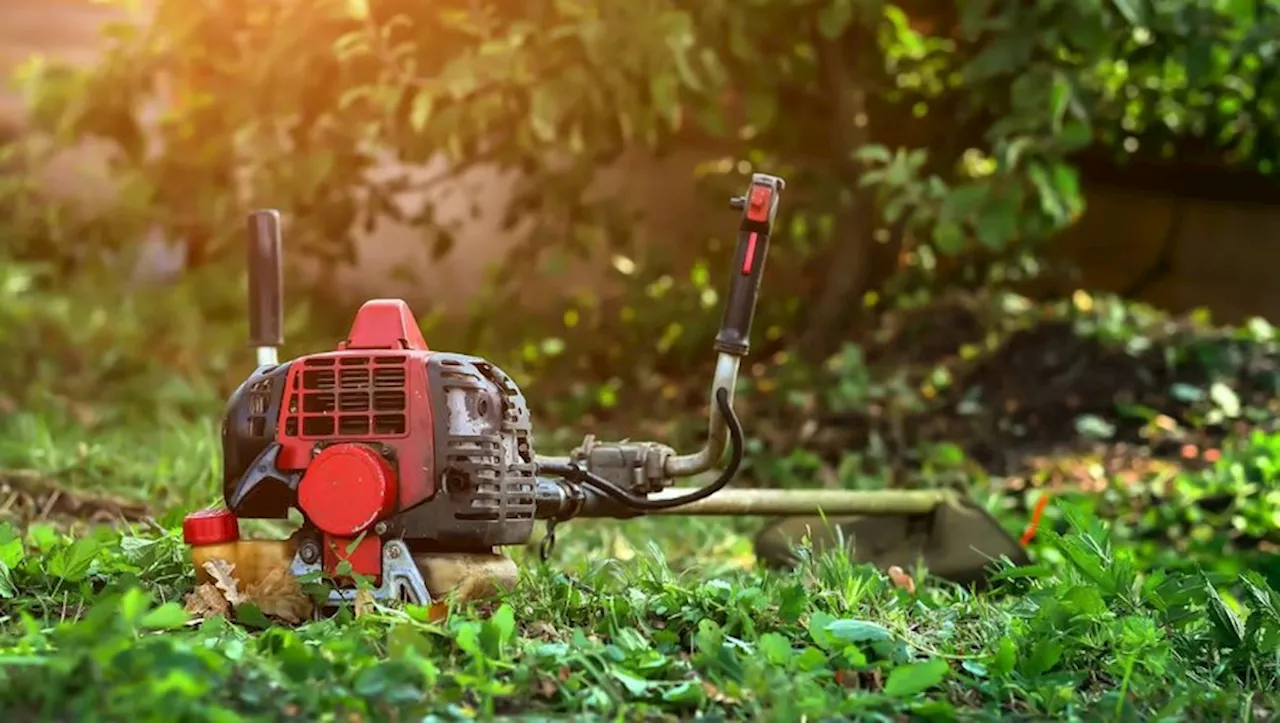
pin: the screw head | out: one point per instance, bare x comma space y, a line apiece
309, 552
393, 551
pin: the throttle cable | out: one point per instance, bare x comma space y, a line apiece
574, 473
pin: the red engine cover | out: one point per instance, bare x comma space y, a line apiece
373, 390
346, 489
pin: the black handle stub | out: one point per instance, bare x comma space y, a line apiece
266, 280
759, 207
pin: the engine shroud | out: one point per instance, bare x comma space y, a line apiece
455, 429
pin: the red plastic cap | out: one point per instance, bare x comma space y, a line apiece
210, 527
346, 489
385, 324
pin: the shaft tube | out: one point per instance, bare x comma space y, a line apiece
560, 500
797, 503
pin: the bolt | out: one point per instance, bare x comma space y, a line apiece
380, 528
393, 551
309, 552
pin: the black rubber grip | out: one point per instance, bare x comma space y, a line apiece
266, 280
759, 207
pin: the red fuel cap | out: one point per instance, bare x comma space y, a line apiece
346, 489
210, 527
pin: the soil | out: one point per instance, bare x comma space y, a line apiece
1011, 408
27, 496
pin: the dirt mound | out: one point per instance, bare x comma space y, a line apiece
1050, 388
1029, 396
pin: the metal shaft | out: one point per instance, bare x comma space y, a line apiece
794, 503
686, 465
267, 356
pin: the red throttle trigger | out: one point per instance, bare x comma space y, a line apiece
759, 208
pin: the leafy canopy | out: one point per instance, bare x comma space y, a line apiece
919, 137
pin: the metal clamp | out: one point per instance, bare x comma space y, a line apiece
639, 467
401, 579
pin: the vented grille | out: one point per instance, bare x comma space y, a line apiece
349, 397
496, 496
259, 398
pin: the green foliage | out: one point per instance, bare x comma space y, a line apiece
97, 634
507, 87
953, 128
1224, 518
1147, 80
919, 139
1245, 484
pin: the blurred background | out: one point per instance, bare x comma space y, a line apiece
1025, 246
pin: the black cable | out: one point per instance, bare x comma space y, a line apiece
573, 473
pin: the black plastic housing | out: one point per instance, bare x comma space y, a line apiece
248, 429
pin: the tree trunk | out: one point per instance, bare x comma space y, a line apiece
848, 262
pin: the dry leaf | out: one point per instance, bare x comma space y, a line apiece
902, 580
364, 602
207, 601
717, 695
542, 629
280, 595
223, 574
547, 687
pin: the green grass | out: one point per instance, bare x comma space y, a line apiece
161, 464
665, 633
660, 618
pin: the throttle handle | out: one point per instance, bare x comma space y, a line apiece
759, 207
